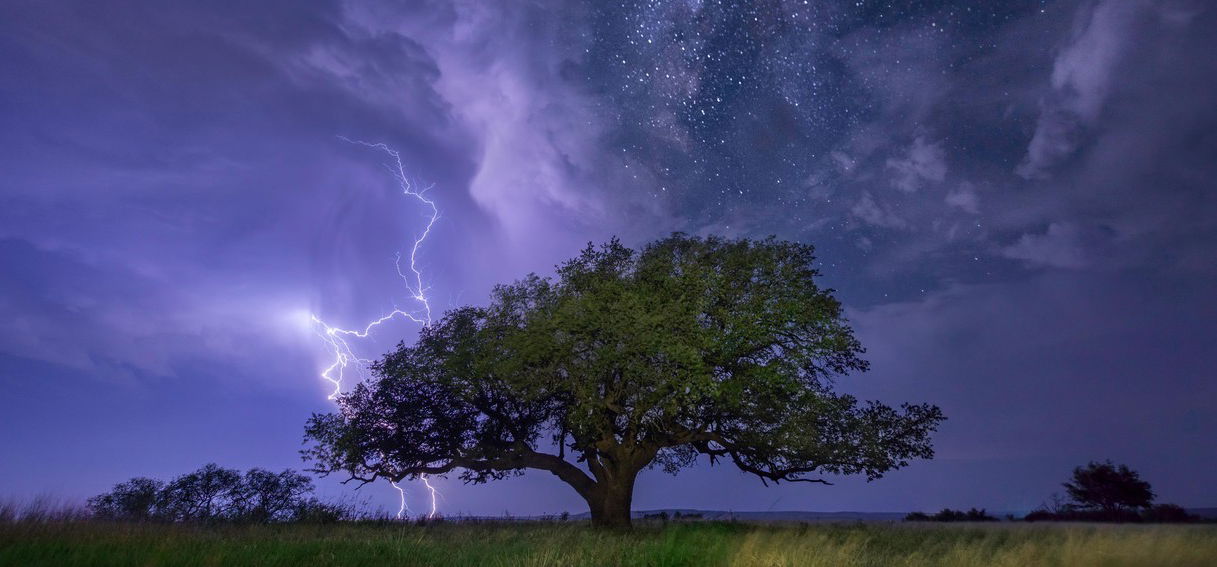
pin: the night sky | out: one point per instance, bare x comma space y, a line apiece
1017, 201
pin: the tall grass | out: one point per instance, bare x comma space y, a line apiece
564, 544
1066, 545
41, 510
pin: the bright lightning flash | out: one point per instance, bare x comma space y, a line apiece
339, 339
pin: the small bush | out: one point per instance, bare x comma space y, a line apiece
1168, 514
949, 515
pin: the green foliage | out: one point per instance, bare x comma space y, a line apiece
629, 359
573, 544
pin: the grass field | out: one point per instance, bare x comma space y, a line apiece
383, 544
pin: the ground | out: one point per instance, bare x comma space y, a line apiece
574, 543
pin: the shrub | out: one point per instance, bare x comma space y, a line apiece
213, 494
949, 515
1168, 514
137, 500
1109, 487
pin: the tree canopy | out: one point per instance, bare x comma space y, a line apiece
1109, 488
628, 359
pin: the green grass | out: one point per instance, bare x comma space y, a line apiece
558, 544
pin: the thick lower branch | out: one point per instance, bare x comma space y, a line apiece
522, 458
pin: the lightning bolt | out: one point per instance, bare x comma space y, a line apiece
434, 494
339, 339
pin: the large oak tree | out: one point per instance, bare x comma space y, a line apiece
629, 359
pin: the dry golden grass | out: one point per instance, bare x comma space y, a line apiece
1072, 545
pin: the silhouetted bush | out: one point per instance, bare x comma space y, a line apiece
264, 496
1106, 492
1168, 514
1109, 488
136, 500
949, 515
212, 494
209, 494
1042, 515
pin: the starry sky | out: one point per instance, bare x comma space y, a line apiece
1015, 200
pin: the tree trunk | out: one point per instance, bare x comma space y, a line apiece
610, 502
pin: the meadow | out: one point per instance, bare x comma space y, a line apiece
68, 543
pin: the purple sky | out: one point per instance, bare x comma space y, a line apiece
1018, 205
